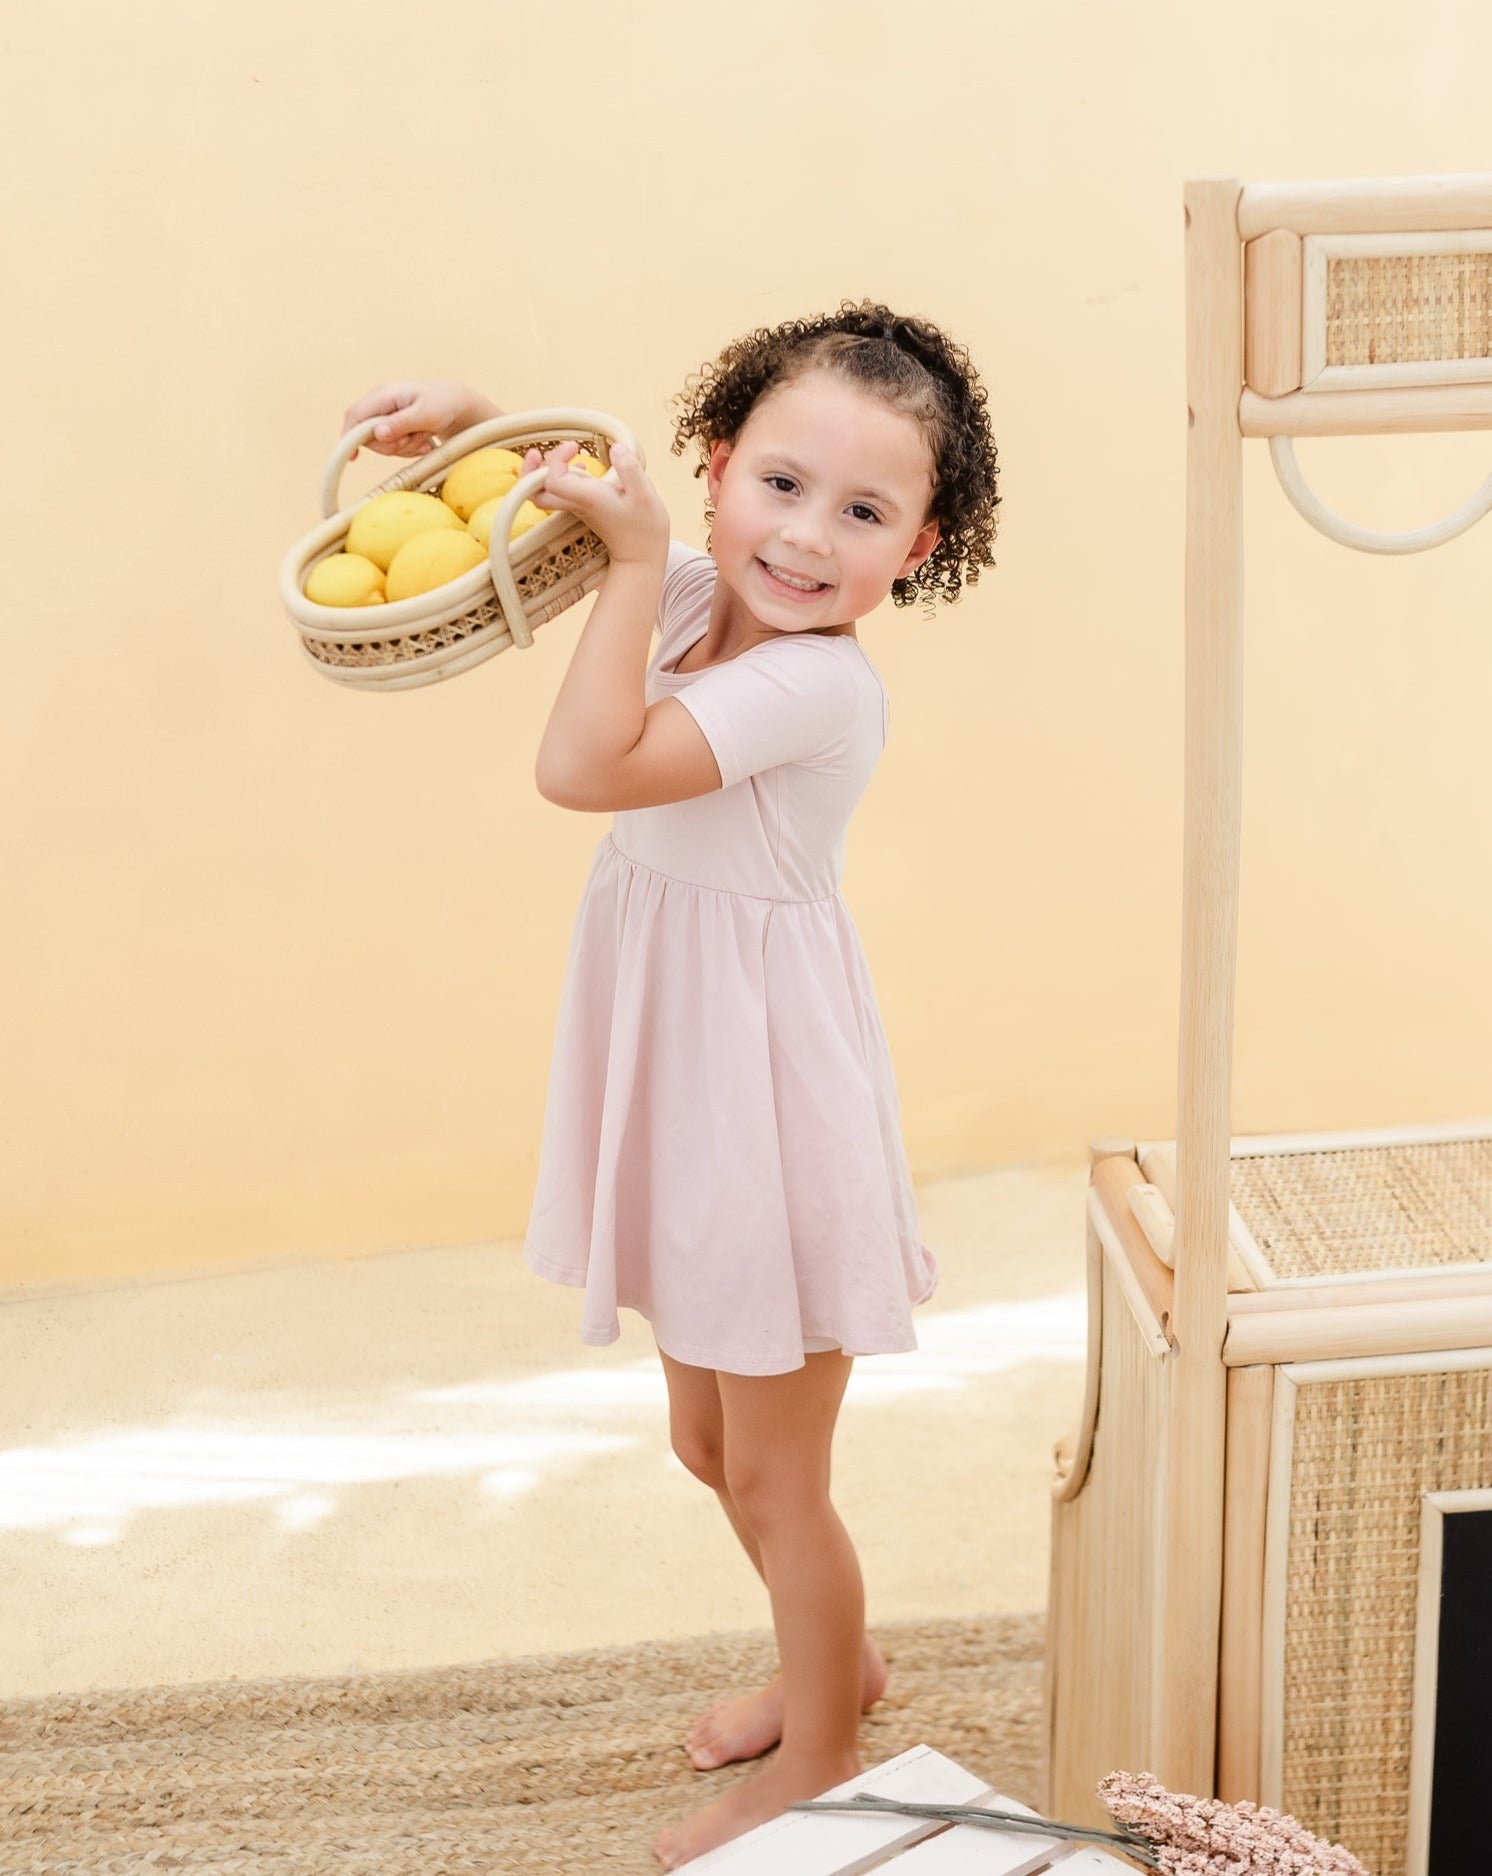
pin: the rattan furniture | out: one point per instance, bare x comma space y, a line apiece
1288, 1405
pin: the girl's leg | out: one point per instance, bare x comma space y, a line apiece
696, 1429
778, 1430
749, 1724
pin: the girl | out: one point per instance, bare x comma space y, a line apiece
722, 1148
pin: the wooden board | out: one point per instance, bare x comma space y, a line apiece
801, 1844
975, 1850
804, 1843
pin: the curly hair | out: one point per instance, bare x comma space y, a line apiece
917, 370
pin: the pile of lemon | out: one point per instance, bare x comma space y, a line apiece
402, 543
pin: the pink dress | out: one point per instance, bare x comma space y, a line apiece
722, 1144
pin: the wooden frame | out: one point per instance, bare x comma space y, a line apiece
1192, 1490
1397, 412
1144, 1281
1367, 205
1272, 356
1107, 1589
1173, 1503
1253, 1285
1333, 1289
1247, 1269
1422, 1326
1272, 1624
1316, 376
1435, 1507
1245, 1504
1249, 1145
1072, 1455
1288, 1380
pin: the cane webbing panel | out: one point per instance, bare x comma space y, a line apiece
1393, 309
1421, 1206
1364, 1453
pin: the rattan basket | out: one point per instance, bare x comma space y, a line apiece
454, 627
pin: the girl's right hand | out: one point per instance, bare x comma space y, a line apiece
627, 512
417, 411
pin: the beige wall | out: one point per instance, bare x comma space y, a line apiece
283, 960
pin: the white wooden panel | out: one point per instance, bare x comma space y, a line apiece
802, 1843
969, 1850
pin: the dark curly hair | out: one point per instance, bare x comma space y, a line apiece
917, 370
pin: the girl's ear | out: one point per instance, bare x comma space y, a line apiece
719, 457
925, 542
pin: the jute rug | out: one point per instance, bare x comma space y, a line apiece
558, 1763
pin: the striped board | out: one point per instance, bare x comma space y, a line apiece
806, 1843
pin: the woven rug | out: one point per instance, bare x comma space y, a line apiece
556, 1763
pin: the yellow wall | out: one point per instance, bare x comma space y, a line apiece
283, 960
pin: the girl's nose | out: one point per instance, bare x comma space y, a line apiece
806, 533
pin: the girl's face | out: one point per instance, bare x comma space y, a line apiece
827, 484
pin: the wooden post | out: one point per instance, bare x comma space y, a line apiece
1185, 1710
1240, 1663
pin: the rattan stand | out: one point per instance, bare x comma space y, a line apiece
1289, 1385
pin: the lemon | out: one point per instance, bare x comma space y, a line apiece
528, 516
592, 465
345, 580
430, 559
478, 477
385, 522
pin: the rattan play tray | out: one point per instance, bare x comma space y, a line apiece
437, 635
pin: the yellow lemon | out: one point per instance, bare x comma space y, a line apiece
478, 477
528, 516
430, 559
592, 465
345, 580
385, 522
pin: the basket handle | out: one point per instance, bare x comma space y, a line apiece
415, 470
562, 424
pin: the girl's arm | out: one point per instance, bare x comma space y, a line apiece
604, 749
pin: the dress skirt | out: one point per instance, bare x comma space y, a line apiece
722, 1146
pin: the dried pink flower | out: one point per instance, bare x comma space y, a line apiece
1206, 1837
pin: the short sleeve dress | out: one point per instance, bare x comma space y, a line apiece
722, 1146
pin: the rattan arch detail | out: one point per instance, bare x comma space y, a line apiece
1370, 540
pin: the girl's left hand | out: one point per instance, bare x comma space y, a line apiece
628, 514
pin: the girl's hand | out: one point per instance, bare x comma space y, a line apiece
628, 514
418, 410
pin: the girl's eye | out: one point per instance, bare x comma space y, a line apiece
788, 482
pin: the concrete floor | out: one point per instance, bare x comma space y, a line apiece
410, 1459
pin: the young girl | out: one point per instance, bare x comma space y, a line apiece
722, 1142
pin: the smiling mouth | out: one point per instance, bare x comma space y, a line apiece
793, 581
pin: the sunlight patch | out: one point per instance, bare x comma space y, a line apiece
507, 1438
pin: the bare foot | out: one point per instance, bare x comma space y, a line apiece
751, 1724
764, 1796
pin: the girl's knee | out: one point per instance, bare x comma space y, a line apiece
768, 1495
702, 1456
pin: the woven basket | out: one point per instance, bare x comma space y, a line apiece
453, 627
